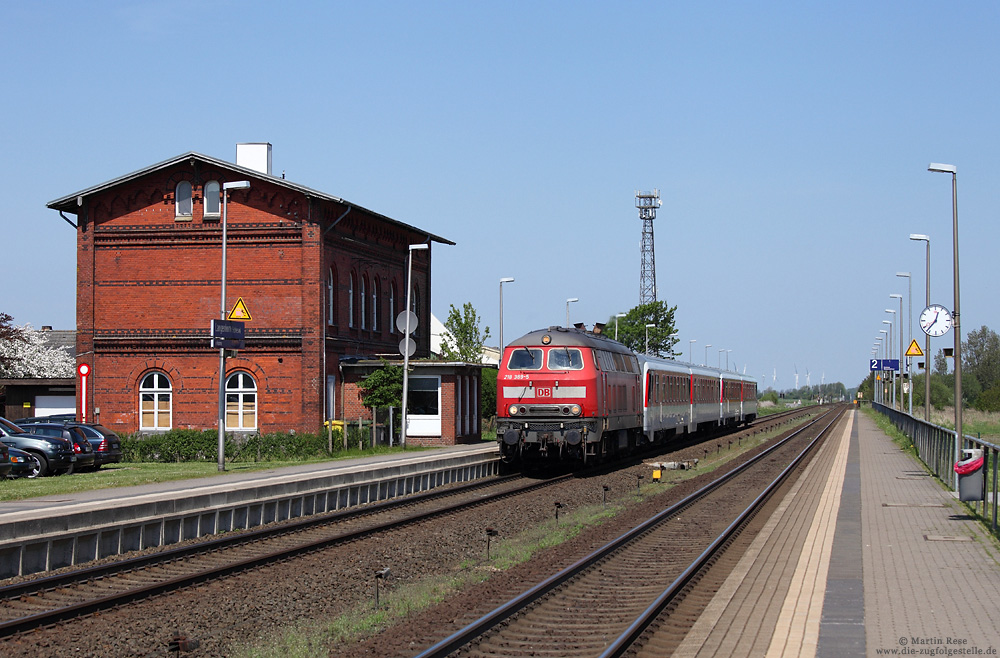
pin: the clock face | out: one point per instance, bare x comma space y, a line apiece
935, 320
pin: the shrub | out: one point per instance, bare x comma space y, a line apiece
181, 445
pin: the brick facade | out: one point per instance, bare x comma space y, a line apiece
149, 283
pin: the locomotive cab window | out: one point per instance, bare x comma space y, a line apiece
523, 358
564, 358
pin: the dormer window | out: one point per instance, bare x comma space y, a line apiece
212, 199
182, 199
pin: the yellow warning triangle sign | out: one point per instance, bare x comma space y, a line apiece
914, 349
240, 311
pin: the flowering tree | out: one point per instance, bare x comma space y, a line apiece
24, 353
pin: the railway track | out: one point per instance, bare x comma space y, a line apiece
48, 601
44, 601
599, 605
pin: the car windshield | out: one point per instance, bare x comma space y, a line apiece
7, 427
564, 358
523, 358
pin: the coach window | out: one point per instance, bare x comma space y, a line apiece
241, 402
564, 358
211, 194
155, 402
523, 358
182, 199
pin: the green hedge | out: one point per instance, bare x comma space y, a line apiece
179, 445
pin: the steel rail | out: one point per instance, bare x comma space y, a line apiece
46, 618
477, 628
96, 572
622, 643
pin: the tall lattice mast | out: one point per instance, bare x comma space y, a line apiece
647, 203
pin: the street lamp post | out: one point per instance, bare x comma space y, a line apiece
885, 335
956, 313
690, 346
235, 185
568, 302
648, 326
406, 338
892, 345
927, 337
617, 315
506, 279
909, 331
899, 343
705, 362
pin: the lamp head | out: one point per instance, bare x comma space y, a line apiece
419, 247
920, 236
902, 274
507, 279
942, 168
236, 185
896, 295
572, 299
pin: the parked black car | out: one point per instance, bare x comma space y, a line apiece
54, 454
106, 444
81, 444
23, 464
5, 464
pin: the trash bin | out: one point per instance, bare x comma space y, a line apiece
971, 484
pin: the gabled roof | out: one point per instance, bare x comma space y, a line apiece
72, 203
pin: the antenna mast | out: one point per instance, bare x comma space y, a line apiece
647, 203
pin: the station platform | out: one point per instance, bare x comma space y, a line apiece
40, 534
868, 555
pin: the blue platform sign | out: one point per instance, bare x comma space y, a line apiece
228, 334
884, 364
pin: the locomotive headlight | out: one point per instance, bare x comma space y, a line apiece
512, 410
575, 410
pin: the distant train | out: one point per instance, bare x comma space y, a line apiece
571, 395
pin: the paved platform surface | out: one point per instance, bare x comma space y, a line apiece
232, 479
867, 556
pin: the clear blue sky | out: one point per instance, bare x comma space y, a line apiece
789, 141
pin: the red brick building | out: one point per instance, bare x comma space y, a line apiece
321, 278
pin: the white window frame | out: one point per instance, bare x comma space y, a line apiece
425, 424
241, 393
184, 200
159, 393
207, 195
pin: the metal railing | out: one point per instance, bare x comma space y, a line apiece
936, 448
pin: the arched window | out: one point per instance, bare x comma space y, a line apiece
376, 311
350, 302
414, 305
241, 402
182, 199
392, 307
364, 315
212, 199
331, 297
155, 402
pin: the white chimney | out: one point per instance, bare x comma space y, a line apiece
255, 155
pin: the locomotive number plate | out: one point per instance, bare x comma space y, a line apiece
543, 392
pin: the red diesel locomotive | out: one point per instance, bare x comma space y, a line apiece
574, 395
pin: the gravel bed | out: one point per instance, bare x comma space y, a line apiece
260, 604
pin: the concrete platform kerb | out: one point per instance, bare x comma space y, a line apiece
53, 532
